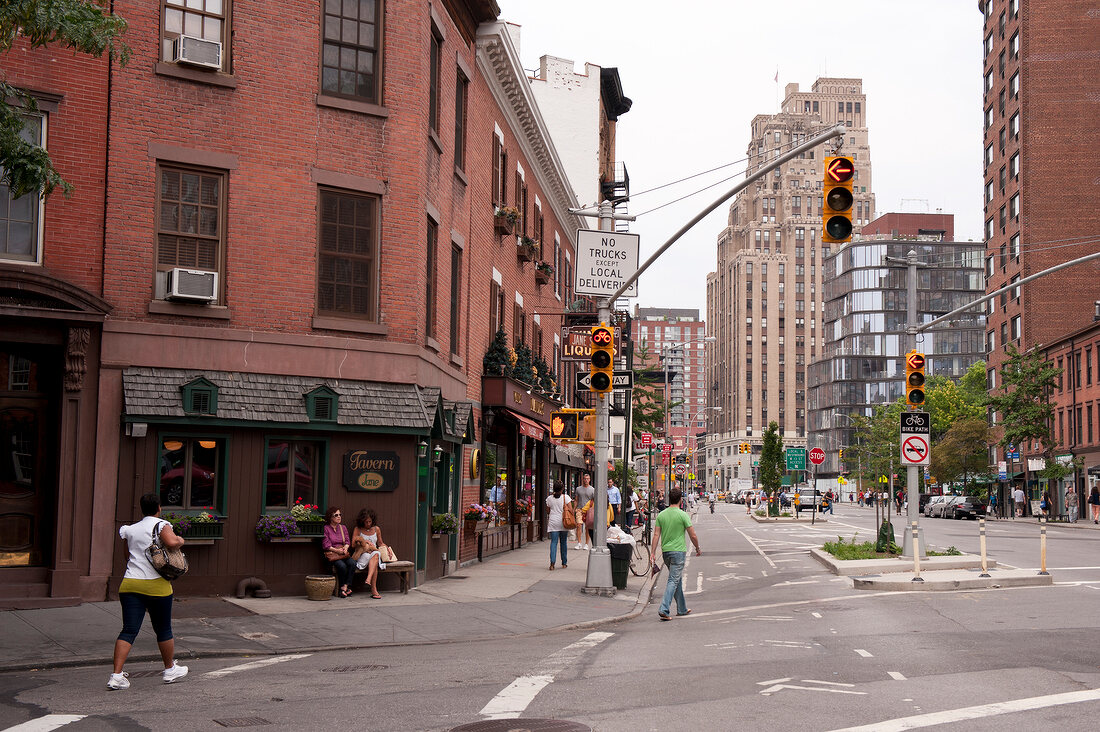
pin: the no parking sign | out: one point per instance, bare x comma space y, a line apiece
916, 438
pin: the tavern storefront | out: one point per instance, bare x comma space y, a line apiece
515, 464
246, 465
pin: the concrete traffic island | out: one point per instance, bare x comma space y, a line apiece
785, 519
939, 574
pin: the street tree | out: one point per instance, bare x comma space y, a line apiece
772, 465
877, 440
1024, 410
948, 401
85, 26
961, 455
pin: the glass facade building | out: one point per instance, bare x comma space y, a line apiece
865, 304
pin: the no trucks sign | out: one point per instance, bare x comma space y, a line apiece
605, 261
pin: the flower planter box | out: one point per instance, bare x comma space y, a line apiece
525, 253
315, 529
476, 527
503, 224
542, 278
212, 530
444, 535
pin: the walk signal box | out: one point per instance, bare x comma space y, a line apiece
836, 214
573, 425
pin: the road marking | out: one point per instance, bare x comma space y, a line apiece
756, 547
896, 676
816, 615
773, 681
779, 687
788, 582
830, 683
254, 664
515, 698
983, 710
45, 724
863, 653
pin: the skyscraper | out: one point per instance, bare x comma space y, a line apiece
764, 299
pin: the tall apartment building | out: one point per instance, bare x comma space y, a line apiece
673, 337
1042, 151
865, 318
764, 299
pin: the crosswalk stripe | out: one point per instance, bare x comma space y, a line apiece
254, 664
46, 723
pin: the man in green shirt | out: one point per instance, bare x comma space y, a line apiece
672, 524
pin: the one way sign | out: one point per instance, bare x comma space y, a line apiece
622, 380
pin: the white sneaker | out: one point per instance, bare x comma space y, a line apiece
577, 547
585, 547
118, 681
175, 673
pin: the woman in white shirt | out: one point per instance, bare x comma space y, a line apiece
556, 505
144, 590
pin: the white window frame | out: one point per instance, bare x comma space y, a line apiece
35, 257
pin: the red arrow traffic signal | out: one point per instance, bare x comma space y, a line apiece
839, 169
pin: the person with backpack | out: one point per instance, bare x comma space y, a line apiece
144, 590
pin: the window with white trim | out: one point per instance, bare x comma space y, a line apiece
21, 218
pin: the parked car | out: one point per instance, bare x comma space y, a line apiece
935, 505
807, 500
970, 507
924, 499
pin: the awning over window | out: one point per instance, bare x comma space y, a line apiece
528, 427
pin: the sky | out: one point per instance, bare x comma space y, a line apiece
698, 76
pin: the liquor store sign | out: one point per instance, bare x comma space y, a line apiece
371, 470
577, 340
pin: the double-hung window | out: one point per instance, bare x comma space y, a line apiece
292, 473
189, 472
347, 272
190, 219
351, 64
207, 21
21, 218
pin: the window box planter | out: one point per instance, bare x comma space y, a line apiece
541, 277
502, 224
476, 527
311, 529
527, 250
443, 535
208, 530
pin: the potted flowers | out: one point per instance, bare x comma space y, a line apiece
505, 219
204, 525
444, 524
310, 523
527, 249
276, 527
479, 517
543, 272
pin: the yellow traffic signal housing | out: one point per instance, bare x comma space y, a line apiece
836, 213
841, 454
914, 379
602, 362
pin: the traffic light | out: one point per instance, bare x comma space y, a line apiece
601, 370
836, 214
564, 425
914, 379
841, 453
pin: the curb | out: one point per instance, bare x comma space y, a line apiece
941, 585
856, 567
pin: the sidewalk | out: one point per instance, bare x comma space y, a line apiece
511, 594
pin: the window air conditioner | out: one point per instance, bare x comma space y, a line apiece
195, 285
197, 52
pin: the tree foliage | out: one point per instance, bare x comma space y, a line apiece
1024, 410
648, 396
772, 464
961, 455
85, 26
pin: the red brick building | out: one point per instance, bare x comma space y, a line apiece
51, 315
303, 267
1042, 150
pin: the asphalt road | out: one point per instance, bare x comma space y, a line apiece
773, 643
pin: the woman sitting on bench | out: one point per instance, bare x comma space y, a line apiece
366, 541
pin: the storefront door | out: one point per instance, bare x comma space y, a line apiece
24, 505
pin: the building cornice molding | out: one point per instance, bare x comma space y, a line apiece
499, 63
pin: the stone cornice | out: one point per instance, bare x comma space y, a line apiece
499, 63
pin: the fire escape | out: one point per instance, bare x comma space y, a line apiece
615, 187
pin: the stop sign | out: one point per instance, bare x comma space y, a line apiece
817, 456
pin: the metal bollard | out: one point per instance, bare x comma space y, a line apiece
916, 555
981, 533
1043, 545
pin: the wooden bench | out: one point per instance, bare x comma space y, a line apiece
403, 569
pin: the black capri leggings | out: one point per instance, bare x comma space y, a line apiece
345, 570
134, 607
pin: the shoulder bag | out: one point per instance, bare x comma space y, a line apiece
169, 563
568, 517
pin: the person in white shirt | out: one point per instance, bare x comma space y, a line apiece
557, 505
1019, 498
143, 591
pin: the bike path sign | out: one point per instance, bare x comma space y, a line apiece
916, 438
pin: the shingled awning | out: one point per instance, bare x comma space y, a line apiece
156, 395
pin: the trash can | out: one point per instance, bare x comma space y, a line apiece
620, 563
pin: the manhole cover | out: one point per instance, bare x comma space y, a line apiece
242, 722
523, 725
345, 669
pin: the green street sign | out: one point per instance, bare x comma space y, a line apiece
796, 458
